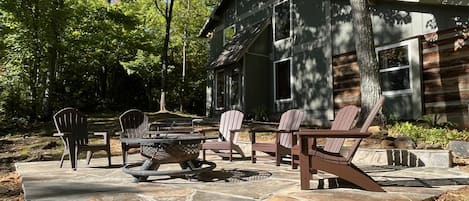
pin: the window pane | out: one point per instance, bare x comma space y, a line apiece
394, 57
282, 80
220, 89
395, 80
234, 93
282, 21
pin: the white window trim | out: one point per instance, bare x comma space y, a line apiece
224, 33
217, 107
291, 81
290, 19
407, 43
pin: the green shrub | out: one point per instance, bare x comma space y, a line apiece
420, 133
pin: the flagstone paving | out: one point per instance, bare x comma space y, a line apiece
237, 180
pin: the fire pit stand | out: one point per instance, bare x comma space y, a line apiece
176, 148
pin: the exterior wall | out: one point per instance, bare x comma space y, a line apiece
394, 21
312, 60
446, 75
445, 68
256, 63
258, 84
258, 70
308, 48
321, 81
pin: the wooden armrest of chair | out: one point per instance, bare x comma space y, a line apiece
263, 130
236, 130
61, 134
106, 135
102, 133
355, 133
254, 131
118, 133
203, 130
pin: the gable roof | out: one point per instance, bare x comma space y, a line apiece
240, 44
214, 18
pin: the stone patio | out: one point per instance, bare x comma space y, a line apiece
237, 180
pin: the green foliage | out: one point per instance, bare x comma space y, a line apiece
261, 114
96, 56
427, 134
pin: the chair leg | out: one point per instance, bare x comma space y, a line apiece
231, 154
89, 154
109, 157
124, 153
63, 157
240, 151
65, 152
278, 157
75, 158
294, 161
350, 173
203, 154
253, 156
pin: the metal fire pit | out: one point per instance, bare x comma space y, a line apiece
171, 148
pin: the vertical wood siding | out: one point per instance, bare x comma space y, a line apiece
445, 69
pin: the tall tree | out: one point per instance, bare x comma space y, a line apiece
56, 24
364, 44
167, 13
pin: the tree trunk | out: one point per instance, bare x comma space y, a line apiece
168, 15
184, 60
34, 71
369, 70
53, 52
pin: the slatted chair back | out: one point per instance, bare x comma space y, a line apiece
134, 123
70, 120
369, 119
230, 120
343, 121
289, 121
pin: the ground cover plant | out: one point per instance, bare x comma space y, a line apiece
427, 131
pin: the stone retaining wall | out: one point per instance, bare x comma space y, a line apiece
397, 157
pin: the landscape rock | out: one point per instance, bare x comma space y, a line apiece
459, 148
387, 144
424, 145
374, 129
404, 142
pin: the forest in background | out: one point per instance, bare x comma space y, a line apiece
98, 56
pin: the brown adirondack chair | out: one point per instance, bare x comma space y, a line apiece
329, 159
228, 132
343, 121
72, 128
289, 122
134, 124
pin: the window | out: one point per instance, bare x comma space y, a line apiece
228, 34
395, 68
220, 90
282, 20
282, 79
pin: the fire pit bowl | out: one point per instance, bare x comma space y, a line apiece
170, 148
177, 152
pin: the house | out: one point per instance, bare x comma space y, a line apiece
273, 55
